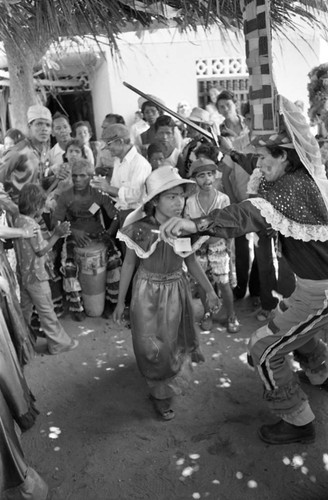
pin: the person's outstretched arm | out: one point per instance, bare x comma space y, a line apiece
19, 232
128, 267
229, 222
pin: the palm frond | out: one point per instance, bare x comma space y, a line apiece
38, 22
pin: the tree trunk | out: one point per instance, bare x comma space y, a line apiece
21, 62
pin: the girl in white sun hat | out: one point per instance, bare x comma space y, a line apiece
161, 312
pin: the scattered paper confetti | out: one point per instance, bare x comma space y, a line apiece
187, 471
53, 435
56, 430
252, 484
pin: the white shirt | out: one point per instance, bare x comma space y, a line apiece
56, 155
129, 177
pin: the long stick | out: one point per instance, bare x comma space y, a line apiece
206, 133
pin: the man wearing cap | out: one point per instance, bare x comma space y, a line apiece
130, 173
28, 161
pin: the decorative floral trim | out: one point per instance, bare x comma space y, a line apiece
287, 227
143, 254
132, 245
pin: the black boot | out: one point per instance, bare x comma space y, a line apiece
284, 433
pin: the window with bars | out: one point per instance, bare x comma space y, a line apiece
224, 74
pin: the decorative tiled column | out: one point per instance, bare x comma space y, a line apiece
262, 90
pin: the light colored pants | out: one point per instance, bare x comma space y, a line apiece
38, 294
294, 330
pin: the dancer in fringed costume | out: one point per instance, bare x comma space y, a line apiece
294, 204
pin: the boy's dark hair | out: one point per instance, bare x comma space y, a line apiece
209, 151
154, 147
82, 123
31, 198
116, 118
227, 96
164, 121
60, 115
151, 105
76, 143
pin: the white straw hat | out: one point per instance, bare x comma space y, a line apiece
199, 115
162, 179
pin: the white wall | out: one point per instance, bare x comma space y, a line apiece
162, 63
101, 94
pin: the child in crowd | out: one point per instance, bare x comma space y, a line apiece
12, 137
161, 311
63, 173
155, 155
83, 132
164, 133
214, 254
81, 205
211, 152
34, 270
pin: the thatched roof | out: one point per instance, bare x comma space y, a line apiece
43, 21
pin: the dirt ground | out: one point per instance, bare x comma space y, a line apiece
97, 437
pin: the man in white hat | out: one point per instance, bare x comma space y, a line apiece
28, 161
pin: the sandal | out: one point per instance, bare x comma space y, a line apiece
163, 407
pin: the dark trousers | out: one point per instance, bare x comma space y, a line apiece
285, 284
